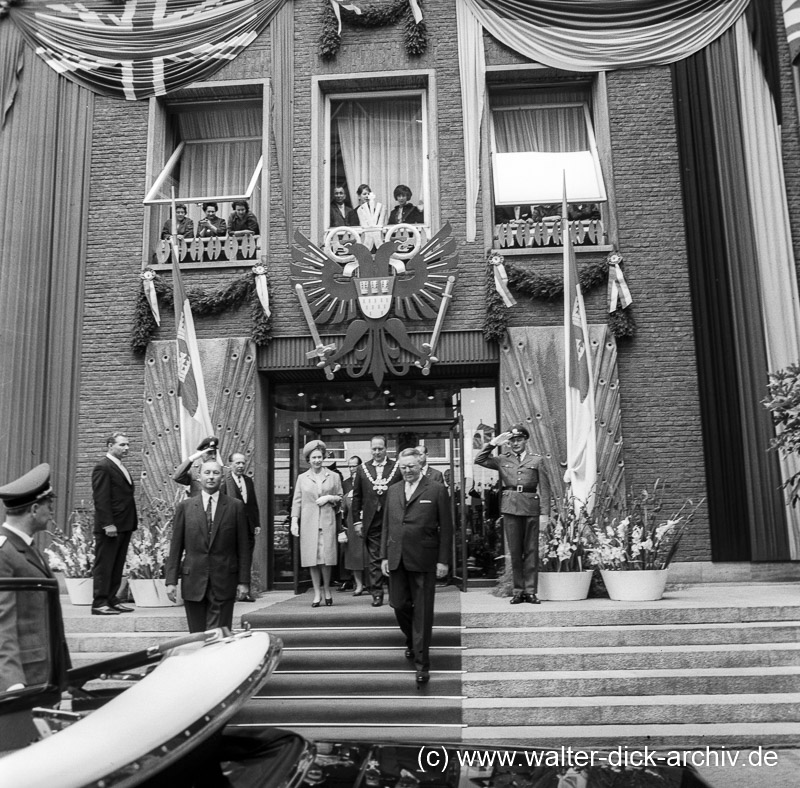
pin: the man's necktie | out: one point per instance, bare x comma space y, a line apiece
209, 514
242, 489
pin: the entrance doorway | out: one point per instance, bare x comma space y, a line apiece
451, 419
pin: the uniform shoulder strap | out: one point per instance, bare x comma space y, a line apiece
3, 540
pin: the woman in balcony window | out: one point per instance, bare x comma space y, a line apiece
211, 225
184, 226
405, 212
242, 221
371, 216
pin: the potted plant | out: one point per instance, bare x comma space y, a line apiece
73, 555
635, 544
565, 571
147, 556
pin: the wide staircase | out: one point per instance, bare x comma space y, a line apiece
709, 665
344, 675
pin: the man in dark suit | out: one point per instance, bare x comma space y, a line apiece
524, 504
431, 473
24, 628
416, 543
372, 480
240, 486
209, 550
340, 214
115, 520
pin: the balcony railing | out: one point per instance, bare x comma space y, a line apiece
527, 233
209, 250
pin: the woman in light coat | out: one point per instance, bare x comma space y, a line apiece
317, 496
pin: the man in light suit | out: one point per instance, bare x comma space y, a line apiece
239, 485
370, 484
431, 473
524, 504
115, 520
24, 626
416, 544
209, 550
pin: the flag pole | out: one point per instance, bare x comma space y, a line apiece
568, 300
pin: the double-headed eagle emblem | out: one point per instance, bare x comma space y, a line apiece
363, 295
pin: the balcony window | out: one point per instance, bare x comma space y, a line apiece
213, 155
379, 140
542, 140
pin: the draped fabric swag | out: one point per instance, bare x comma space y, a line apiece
11, 59
590, 35
144, 48
45, 161
282, 113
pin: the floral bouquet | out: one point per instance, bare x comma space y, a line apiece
149, 547
638, 537
565, 542
74, 554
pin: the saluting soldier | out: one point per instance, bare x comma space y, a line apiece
524, 504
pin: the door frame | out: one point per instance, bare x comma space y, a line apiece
454, 432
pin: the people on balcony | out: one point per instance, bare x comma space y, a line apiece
242, 221
184, 226
405, 212
341, 215
211, 225
371, 216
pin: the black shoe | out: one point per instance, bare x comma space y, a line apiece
532, 598
377, 601
423, 677
328, 601
121, 608
317, 603
517, 599
248, 598
409, 653
104, 610
360, 592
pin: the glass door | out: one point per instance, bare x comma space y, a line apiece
303, 433
459, 568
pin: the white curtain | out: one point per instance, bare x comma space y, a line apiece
555, 129
381, 141
776, 264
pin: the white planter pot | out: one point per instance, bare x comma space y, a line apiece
151, 593
564, 586
635, 585
80, 590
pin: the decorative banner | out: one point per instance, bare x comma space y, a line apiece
337, 11
142, 48
501, 279
419, 292
150, 293
416, 11
260, 273
618, 292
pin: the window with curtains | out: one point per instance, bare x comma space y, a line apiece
542, 142
378, 140
213, 152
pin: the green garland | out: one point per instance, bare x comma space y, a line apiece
202, 303
415, 35
547, 288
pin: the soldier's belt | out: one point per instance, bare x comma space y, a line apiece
521, 488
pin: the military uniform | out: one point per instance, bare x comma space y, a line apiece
525, 496
24, 622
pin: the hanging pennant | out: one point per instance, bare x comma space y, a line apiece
501, 279
150, 293
338, 13
260, 273
618, 292
416, 11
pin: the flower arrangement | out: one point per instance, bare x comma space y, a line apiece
567, 539
74, 554
783, 403
149, 546
638, 537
